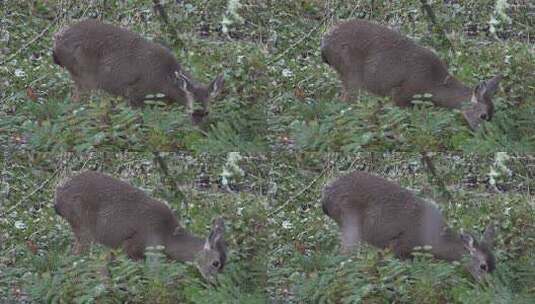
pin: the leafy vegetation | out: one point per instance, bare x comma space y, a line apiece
283, 249
282, 115
278, 93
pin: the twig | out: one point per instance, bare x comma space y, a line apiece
279, 56
298, 194
429, 164
431, 14
34, 39
33, 192
168, 179
161, 162
159, 10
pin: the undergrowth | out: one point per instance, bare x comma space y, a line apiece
278, 93
282, 248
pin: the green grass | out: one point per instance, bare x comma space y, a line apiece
281, 110
282, 248
278, 94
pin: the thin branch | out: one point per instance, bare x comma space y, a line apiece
39, 188
34, 39
161, 162
288, 49
432, 169
431, 14
299, 193
168, 179
159, 10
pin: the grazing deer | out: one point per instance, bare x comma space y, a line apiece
105, 210
103, 56
379, 212
377, 59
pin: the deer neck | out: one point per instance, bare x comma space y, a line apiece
451, 93
183, 246
448, 246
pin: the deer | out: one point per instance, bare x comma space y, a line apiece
368, 208
102, 209
103, 56
376, 59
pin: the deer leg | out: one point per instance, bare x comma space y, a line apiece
136, 103
78, 90
351, 235
347, 93
104, 271
81, 243
401, 98
135, 99
82, 238
346, 97
134, 247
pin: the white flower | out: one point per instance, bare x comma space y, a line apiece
287, 73
286, 224
20, 225
20, 73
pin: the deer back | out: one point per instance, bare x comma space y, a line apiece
389, 216
375, 58
383, 211
103, 56
116, 214
111, 211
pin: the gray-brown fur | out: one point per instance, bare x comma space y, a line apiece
105, 210
103, 56
377, 59
371, 209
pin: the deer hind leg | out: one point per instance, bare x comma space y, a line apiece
134, 247
78, 91
351, 235
349, 88
104, 271
82, 236
82, 242
134, 96
136, 102
400, 97
346, 95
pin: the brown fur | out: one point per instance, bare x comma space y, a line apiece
103, 56
377, 59
374, 210
102, 209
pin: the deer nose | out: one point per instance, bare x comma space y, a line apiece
484, 116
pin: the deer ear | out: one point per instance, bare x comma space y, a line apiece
486, 89
468, 241
216, 234
489, 235
216, 86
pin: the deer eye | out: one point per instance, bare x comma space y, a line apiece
483, 267
215, 264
